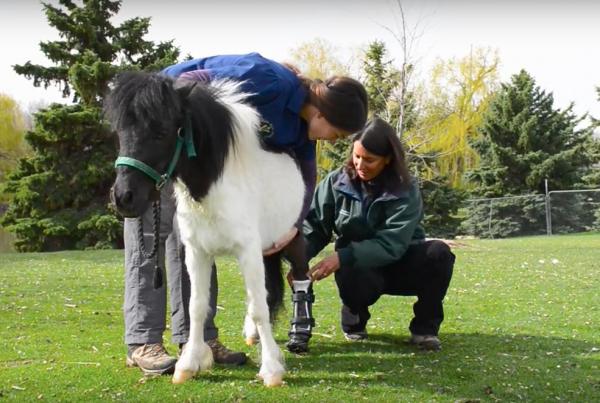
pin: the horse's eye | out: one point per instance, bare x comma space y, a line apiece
159, 135
158, 132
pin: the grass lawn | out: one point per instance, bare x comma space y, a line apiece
522, 323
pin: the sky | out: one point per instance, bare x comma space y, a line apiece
557, 42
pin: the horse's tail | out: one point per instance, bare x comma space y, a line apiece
274, 283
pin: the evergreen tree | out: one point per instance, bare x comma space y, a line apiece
381, 78
60, 194
525, 140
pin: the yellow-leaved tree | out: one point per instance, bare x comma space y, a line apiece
12, 136
457, 95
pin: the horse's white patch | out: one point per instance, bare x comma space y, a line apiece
255, 202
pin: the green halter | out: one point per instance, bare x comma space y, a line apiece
185, 139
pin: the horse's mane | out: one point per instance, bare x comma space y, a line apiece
148, 101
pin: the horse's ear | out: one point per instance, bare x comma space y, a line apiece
183, 88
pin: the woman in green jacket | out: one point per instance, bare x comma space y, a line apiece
374, 208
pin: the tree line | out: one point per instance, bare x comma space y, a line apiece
466, 133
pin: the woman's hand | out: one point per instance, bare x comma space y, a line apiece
281, 243
325, 267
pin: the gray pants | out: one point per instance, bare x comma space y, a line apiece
145, 307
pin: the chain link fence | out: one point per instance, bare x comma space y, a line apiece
557, 212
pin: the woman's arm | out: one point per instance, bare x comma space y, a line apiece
320, 220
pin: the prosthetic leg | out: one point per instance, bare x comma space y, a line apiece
302, 297
302, 322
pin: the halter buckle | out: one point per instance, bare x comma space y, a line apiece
161, 183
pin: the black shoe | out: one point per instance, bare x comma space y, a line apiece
356, 336
354, 323
427, 342
302, 322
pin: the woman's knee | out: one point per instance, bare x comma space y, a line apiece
358, 287
440, 254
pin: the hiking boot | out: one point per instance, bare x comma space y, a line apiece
426, 342
152, 359
356, 336
223, 355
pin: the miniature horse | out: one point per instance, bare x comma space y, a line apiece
233, 196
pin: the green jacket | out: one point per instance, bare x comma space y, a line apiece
365, 239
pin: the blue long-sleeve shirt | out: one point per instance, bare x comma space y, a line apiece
277, 94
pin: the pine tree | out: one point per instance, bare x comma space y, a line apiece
524, 141
381, 78
60, 194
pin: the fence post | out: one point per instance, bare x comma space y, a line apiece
548, 210
490, 219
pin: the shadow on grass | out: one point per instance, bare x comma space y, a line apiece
485, 366
470, 367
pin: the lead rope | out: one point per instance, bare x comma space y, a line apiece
158, 275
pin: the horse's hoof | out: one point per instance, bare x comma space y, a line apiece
181, 376
251, 341
273, 381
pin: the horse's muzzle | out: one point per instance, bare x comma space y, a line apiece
123, 201
128, 203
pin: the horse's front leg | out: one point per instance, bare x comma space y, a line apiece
252, 267
196, 354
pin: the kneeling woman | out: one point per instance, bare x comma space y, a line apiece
374, 208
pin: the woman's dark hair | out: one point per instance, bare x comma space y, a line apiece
380, 138
343, 101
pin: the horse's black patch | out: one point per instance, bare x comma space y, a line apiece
147, 111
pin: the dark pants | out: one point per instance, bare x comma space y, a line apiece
424, 271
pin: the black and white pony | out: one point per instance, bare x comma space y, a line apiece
234, 197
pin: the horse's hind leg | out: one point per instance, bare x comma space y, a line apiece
302, 297
196, 354
251, 264
295, 253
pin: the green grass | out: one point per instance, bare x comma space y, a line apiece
519, 326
